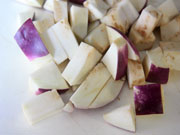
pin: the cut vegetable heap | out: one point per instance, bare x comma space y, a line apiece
43, 106
155, 67
85, 43
148, 99
123, 117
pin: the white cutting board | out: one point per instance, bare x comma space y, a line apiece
14, 70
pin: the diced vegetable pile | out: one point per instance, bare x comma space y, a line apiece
91, 47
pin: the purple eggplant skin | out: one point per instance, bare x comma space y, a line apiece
122, 62
148, 99
158, 75
128, 40
80, 2
40, 91
28, 39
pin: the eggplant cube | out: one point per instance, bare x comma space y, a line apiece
42, 106
116, 58
97, 7
171, 30
147, 21
135, 73
155, 67
114, 34
60, 10
121, 16
49, 77
108, 94
140, 42
54, 46
67, 38
168, 10
81, 64
171, 52
148, 99
79, 21
28, 39
123, 117
89, 89
98, 38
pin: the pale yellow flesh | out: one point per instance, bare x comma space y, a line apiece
171, 30
81, 64
90, 87
98, 38
135, 73
42, 106
109, 93
147, 21
110, 59
49, 77
169, 10
123, 117
96, 7
60, 10
171, 52
67, 38
79, 21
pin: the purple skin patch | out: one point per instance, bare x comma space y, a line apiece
158, 75
28, 39
122, 62
80, 2
148, 99
40, 91
128, 40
